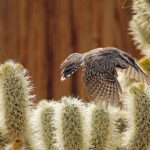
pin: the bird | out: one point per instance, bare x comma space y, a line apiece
99, 72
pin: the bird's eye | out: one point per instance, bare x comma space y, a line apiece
121, 65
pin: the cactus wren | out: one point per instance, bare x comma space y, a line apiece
100, 72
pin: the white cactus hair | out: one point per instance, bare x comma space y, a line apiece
15, 98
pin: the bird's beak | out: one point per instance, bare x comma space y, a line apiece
137, 68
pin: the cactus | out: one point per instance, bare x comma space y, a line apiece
138, 113
101, 129
15, 95
70, 125
145, 64
43, 125
139, 26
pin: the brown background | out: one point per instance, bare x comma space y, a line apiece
40, 34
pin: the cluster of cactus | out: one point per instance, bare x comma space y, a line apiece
70, 124
139, 26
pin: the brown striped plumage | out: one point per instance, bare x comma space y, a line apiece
99, 72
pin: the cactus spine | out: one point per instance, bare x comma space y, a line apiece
137, 136
14, 89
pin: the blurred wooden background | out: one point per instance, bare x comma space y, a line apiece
40, 34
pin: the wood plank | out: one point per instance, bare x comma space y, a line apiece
59, 45
9, 30
37, 48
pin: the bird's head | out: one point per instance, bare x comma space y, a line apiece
117, 57
122, 59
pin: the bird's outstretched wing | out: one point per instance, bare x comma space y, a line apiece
70, 65
101, 83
